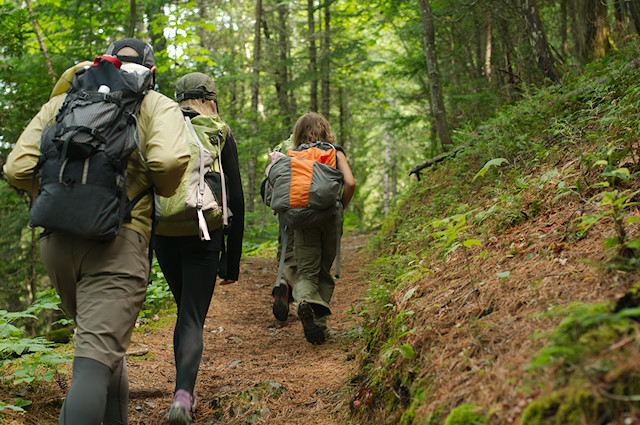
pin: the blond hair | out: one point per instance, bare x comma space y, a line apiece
312, 127
208, 107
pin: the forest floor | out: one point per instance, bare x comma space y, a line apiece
254, 369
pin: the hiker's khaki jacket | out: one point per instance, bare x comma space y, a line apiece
160, 161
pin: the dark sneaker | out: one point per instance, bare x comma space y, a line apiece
312, 332
182, 408
281, 302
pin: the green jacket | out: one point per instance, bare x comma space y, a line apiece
160, 161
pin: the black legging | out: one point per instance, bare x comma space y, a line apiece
190, 267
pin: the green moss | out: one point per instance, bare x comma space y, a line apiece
565, 407
418, 399
467, 414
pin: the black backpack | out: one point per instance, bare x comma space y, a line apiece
84, 153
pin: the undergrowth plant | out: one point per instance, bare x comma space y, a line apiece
613, 203
29, 359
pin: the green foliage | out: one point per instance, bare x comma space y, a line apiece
28, 359
496, 162
12, 339
567, 406
585, 331
467, 414
15, 247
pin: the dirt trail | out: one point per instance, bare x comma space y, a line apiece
256, 369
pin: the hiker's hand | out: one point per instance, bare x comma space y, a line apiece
227, 282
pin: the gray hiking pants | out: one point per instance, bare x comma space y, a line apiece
315, 250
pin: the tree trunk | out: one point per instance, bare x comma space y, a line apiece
43, 47
313, 94
255, 93
282, 69
538, 39
155, 12
593, 30
634, 11
437, 102
507, 47
33, 288
563, 28
133, 19
487, 53
326, 63
388, 167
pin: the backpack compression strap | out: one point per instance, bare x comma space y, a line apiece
202, 223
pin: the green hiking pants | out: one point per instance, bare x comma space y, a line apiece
315, 250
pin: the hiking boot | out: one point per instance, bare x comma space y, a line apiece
312, 332
182, 408
281, 302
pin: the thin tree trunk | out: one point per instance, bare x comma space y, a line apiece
507, 47
487, 53
313, 94
538, 39
326, 48
133, 19
255, 93
43, 47
634, 11
154, 12
282, 69
437, 102
388, 166
563, 28
33, 289
593, 30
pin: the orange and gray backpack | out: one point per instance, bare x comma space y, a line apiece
305, 185
304, 188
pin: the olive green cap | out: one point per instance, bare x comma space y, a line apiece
196, 85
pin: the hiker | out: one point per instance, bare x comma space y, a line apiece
102, 283
189, 261
315, 247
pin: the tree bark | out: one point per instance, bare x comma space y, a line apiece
133, 19
563, 28
43, 47
388, 167
487, 53
313, 94
282, 69
255, 93
593, 30
326, 63
154, 12
634, 11
538, 39
437, 102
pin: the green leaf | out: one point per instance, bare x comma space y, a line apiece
496, 162
634, 243
408, 294
611, 242
407, 351
504, 275
471, 242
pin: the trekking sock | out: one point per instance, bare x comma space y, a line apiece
117, 409
86, 400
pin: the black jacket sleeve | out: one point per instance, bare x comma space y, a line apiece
231, 253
